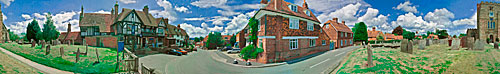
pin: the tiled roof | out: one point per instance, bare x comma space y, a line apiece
339, 26
104, 21
373, 33
281, 6
70, 36
146, 18
390, 36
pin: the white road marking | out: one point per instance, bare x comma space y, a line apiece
340, 54
319, 63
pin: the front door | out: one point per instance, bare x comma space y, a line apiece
332, 45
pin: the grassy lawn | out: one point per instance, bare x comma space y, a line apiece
9, 65
67, 62
434, 59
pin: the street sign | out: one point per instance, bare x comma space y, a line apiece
121, 45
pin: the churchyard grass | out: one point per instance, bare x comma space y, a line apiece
436, 58
67, 62
9, 65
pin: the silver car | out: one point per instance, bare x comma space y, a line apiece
236, 50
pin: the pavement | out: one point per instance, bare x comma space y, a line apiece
203, 62
43, 68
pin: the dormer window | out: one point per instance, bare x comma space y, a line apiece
307, 12
491, 14
293, 7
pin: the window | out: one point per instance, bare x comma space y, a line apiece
491, 14
345, 34
307, 13
323, 42
312, 42
327, 25
258, 27
293, 44
310, 26
341, 35
292, 7
293, 23
350, 41
260, 43
341, 43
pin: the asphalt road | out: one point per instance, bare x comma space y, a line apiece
201, 62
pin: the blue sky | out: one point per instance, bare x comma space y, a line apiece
199, 17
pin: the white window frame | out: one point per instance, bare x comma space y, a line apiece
323, 42
307, 12
258, 26
327, 25
293, 23
310, 26
294, 44
292, 7
312, 42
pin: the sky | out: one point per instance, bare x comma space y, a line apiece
200, 17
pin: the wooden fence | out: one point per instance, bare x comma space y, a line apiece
129, 62
146, 70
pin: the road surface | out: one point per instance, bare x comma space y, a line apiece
201, 62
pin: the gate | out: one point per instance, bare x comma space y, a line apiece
332, 45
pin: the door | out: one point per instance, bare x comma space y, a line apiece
332, 45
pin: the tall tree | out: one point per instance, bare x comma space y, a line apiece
360, 32
49, 30
214, 40
12, 36
408, 35
32, 29
398, 30
196, 39
442, 33
232, 40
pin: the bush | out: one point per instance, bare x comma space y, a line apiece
250, 52
388, 41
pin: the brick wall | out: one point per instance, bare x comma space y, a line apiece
106, 41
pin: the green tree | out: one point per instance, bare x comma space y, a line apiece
214, 40
31, 31
360, 32
49, 30
380, 38
251, 51
408, 35
442, 33
12, 36
196, 39
462, 35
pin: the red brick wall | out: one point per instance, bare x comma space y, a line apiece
107, 41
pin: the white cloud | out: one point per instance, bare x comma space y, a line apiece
406, 6
372, 20
209, 3
182, 9
440, 16
238, 23
4, 17
26, 16
228, 13
127, 1
194, 31
194, 19
7, 2
219, 20
415, 23
466, 21
39, 16
103, 11
215, 29
346, 13
166, 12
330, 5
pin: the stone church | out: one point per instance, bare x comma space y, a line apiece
487, 17
4, 34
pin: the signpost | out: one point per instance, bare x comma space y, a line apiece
121, 47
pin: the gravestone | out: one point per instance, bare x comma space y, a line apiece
33, 43
47, 50
455, 44
77, 55
470, 43
495, 45
370, 53
72, 42
61, 51
421, 46
463, 42
479, 45
43, 44
427, 42
404, 45
409, 48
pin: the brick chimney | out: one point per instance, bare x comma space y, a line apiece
166, 20
178, 25
305, 5
343, 22
69, 28
263, 1
373, 28
335, 20
116, 10
146, 9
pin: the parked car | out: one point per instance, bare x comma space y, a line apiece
234, 51
226, 48
173, 52
184, 52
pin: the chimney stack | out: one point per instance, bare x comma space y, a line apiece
343, 22
373, 28
146, 9
335, 19
166, 20
305, 5
116, 10
69, 28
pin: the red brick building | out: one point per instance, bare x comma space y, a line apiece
373, 34
70, 37
286, 31
340, 35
